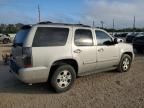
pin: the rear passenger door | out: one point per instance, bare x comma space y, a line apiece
84, 46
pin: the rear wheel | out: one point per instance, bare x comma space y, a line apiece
125, 63
63, 78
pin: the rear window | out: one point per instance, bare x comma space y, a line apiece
49, 36
21, 35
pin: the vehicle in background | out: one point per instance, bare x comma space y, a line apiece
140, 34
138, 44
5, 38
58, 53
131, 36
120, 35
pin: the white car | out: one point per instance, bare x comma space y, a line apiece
5, 39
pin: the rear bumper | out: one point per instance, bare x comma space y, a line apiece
33, 75
30, 75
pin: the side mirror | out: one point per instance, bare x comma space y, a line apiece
108, 43
117, 40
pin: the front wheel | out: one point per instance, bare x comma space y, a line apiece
125, 63
63, 78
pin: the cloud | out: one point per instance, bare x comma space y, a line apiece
122, 11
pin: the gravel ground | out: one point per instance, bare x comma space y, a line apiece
102, 90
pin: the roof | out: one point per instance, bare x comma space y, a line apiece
63, 24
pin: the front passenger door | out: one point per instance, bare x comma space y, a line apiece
107, 51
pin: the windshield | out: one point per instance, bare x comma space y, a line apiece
21, 36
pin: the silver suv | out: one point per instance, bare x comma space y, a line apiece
58, 53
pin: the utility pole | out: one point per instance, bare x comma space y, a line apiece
134, 25
102, 23
39, 13
79, 22
93, 25
113, 26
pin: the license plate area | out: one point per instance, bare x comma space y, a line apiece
15, 68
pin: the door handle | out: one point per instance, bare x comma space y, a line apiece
100, 50
77, 51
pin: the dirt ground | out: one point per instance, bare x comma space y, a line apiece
102, 90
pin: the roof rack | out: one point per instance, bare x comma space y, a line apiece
45, 22
81, 25
51, 23
26, 27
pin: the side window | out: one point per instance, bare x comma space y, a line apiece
50, 36
83, 37
103, 38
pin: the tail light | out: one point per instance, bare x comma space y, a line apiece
27, 57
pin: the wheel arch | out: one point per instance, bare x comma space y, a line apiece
128, 53
57, 63
120, 69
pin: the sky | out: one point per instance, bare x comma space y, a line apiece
74, 11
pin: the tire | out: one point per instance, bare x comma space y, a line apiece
5, 41
125, 63
63, 78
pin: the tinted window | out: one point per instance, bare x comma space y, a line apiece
46, 36
83, 37
21, 36
102, 38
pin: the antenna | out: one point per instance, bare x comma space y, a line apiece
39, 13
